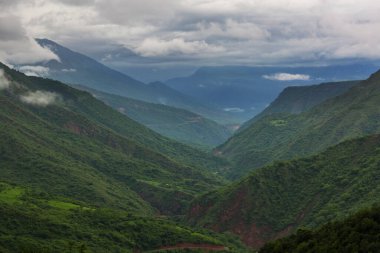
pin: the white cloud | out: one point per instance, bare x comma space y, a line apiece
69, 70
158, 47
40, 98
35, 70
4, 82
234, 109
231, 31
15, 45
287, 77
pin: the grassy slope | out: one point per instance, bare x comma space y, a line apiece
298, 99
273, 201
34, 221
58, 149
175, 123
358, 233
285, 136
87, 106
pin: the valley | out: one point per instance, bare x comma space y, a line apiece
131, 171
180, 126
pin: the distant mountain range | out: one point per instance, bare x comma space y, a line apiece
285, 135
178, 124
76, 68
247, 91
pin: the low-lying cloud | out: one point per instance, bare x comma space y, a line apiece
4, 82
287, 77
40, 98
35, 70
234, 109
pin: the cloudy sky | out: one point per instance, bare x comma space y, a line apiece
194, 32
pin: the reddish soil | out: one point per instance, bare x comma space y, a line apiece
236, 207
206, 247
73, 127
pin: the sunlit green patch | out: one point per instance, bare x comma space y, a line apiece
278, 123
10, 194
63, 205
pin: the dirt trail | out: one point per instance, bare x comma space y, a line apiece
207, 247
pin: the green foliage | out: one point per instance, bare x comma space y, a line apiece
36, 224
278, 122
358, 233
350, 115
80, 148
298, 99
10, 195
300, 193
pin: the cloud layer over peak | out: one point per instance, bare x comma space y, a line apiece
200, 31
16, 47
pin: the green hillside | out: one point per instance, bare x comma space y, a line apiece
87, 106
358, 233
38, 222
276, 200
175, 123
298, 99
78, 147
284, 136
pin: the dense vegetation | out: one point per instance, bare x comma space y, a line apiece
298, 99
82, 149
358, 233
178, 124
38, 222
275, 200
79, 176
285, 136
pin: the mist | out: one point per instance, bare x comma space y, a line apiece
4, 82
40, 98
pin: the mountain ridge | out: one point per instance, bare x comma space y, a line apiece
82, 133
275, 200
78, 69
298, 99
178, 124
349, 115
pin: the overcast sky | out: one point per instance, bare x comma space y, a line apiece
199, 32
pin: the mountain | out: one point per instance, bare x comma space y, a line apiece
178, 124
284, 136
64, 141
276, 200
298, 99
76, 68
357, 233
246, 91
